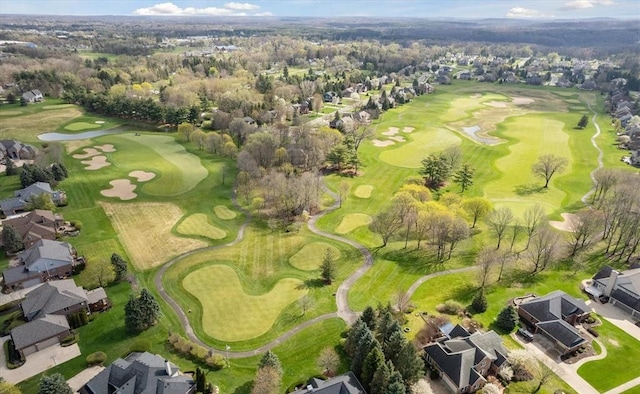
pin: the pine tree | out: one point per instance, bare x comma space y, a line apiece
26, 177
479, 302
383, 325
10, 167
201, 381
381, 378
374, 361
363, 347
584, 120
149, 308
409, 364
464, 177
352, 339
369, 318
507, 319
57, 172
396, 384
269, 359
54, 384
393, 346
11, 240
119, 266
132, 315
328, 268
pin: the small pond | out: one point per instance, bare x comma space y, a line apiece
76, 136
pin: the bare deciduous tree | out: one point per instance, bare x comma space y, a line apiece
498, 221
547, 166
534, 217
543, 250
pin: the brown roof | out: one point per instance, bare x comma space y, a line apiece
33, 226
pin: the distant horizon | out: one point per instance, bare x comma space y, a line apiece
414, 9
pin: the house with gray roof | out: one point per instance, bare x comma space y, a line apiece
622, 288
555, 315
16, 150
346, 383
21, 198
39, 334
45, 260
61, 297
140, 373
33, 96
464, 361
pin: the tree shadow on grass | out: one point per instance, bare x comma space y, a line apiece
415, 261
312, 284
245, 388
527, 189
522, 277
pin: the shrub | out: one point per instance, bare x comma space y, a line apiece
479, 302
77, 224
507, 319
9, 306
593, 332
216, 362
97, 358
450, 307
199, 352
141, 345
69, 340
173, 338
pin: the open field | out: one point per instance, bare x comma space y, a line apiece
229, 313
311, 255
198, 224
26, 128
145, 231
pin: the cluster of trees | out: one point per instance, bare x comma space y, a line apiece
381, 357
54, 384
437, 169
141, 312
268, 379
11, 240
196, 352
32, 173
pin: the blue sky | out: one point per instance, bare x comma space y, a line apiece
468, 9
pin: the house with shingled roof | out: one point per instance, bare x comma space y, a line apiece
19, 202
61, 297
35, 225
346, 383
140, 373
40, 334
622, 288
555, 316
464, 360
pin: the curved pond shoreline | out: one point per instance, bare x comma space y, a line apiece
78, 136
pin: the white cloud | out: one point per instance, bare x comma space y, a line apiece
521, 12
241, 6
230, 9
582, 4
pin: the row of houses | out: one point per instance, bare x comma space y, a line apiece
623, 112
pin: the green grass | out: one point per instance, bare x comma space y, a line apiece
198, 224
311, 255
352, 221
81, 126
363, 191
418, 146
614, 369
229, 313
224, 213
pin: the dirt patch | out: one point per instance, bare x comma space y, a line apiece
96, 163
107, 148
398, 138
142, 176
496, 104
567, 224
392, 131
522, 101
88, 152
614, 342
408, 129
382, 144
120, 188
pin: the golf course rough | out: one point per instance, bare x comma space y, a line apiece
311, 255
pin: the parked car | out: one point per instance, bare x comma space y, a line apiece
525, 334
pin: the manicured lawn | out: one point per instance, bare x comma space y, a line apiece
198, 224
81, 126
224, 213
352, 221
311, 255
145, 231
617, 368
26, 128
421, 143
363, 191
229, 313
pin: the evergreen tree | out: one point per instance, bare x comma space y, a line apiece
584, 120
26, 177
507, 318
11, 240
383, 325
381, 378
409, 364
119, 267
54, 384
352, 339
464, 177
393, 346
10, 168
201, 381
369, 318
328, 268
149, 308
132, 316
64, 170
479, 302
58, 173
396, 384
363, 347
374, 361
269, 359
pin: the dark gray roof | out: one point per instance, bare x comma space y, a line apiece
604, 272
47, 254
554, 305
562, 332
627, 299
346, 383
459, 331
18, 274
456, 365
140, 373
39, 330
52, 297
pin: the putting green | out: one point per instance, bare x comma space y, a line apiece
179, 171
422, 143
363, 191
198, 224
518, 187
311, 255
228, 312
352, 221
79, 126
224, 213
59, 106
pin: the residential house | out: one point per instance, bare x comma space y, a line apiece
39, 334
45, 260
36, 225
140, 373
464, 360
555, 316
97, 300
635, 158
61, 297
589, 85
21, 198
622, 288
346, 383
16, 150
33, 96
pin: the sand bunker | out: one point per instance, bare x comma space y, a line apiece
107, 148
382, 144
398, 138
568, 224
99, 121
392, 131
142, 176
121, 188
522, 100
96, 163
407, 129
88, 152
497, 104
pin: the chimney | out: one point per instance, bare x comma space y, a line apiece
613, 278
167, 367
309, 388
